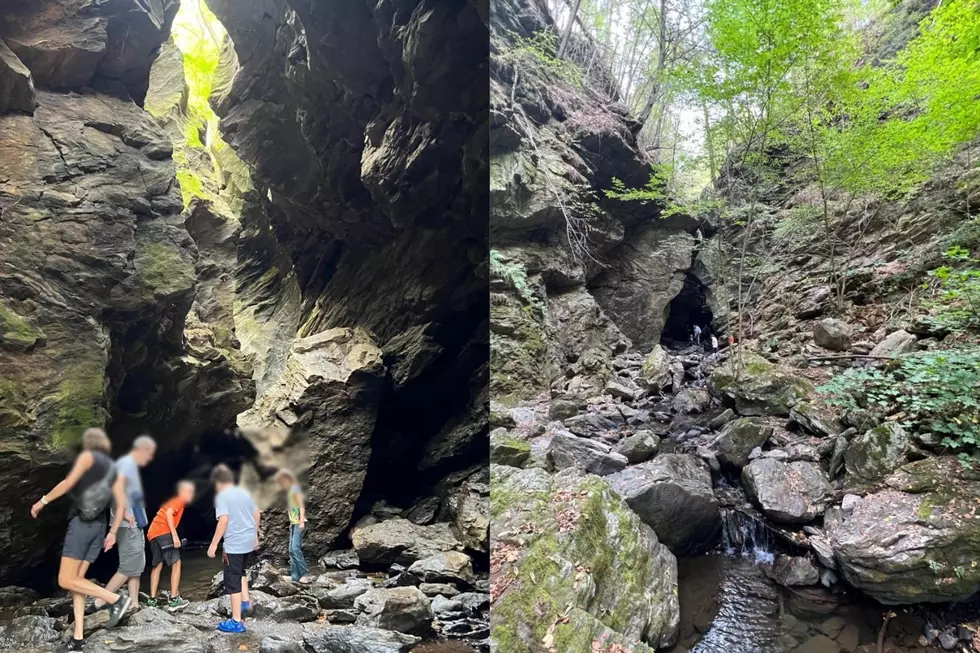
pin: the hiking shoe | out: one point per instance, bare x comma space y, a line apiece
75, 645
246, 606
306, 580
118, 610
177, 603
231, 626
151, 603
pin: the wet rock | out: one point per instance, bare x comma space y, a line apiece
832, 334
948, 641
818, 644
580, 523
399, 540
16, 83
790, 571
344, 596
345, 559
473, 602
734, 445
895, 344
639, 447
13, 596
402, 609
300, 608
789, 493
161, 635
271, 644
672, 494
876, 453
567, 451
914, 541
358, 639
438, 589
449, 567
758, 387
816, 420
30, 631
444, 607
721, 419
341, 616
691, 400
506, 449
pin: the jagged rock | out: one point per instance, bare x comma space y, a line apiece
566, 406
506, 449
358, 639
813, 302
621, 390
30, 631
639, 447
873, 455
272, 644
789, 493
473, 602
438, 589
402, 609
16, 83
346, 559
469, 511
816, 420
656, 368
401, 541
567, 451
915, 540
691, 400
13, 596
579, 523
792, 571
331, 383
161, 635
758, 387
591, 423
341, 616
449, 567
343, 596
723, 418
673, 495
897, 343
733, 446
832, 334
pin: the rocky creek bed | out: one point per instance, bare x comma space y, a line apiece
395, 592
797, 530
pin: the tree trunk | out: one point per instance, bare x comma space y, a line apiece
568, 29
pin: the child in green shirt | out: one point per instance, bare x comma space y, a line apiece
297, 526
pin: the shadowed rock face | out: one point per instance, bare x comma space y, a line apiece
359, 205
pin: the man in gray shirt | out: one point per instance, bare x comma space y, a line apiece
131, 541
238, 524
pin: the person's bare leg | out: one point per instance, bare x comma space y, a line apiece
83, 568
68, 579
155, 580
78, 607
117, 581
175, 579
236, 606
134, 589
244, 589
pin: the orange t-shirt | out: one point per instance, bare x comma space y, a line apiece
159, 525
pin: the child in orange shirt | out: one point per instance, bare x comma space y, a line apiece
165, 545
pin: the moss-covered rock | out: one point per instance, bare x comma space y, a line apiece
656, 368
571, 563
737, 440
758, 387
876, 453
917, 540
505, 449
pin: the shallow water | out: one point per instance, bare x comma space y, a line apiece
197, 570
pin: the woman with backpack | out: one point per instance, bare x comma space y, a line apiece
92, 484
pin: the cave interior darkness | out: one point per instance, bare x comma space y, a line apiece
688, 308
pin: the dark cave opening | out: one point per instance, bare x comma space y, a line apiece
687, 309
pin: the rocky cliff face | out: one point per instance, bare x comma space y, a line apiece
325, 272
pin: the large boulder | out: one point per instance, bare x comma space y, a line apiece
896, 343
325, 402
758, 387
16, 83
399, 540
789, 493
589, 570
737, 440
655, 371
915, 541
505, 449
672, 494
402, 609
567, 451
691, 400
876, 453
450, 567
359, 639
832, 334
639, 447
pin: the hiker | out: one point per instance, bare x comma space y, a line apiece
697, 334
238, 524
93, 484
165, 545
298, 571
131, 540
714, 343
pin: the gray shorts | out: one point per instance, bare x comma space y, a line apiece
84, 540
132, 551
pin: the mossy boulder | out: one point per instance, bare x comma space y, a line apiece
505, 449
572, 564
876, 453
758, 387
737, 440
917, 540
656, 368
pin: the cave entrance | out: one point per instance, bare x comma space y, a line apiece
688, 308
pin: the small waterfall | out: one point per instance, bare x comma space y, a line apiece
747, 537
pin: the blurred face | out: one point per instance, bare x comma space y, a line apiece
186, 492
284, 482
144, 455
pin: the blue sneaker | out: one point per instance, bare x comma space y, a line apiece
231, 626
246, 606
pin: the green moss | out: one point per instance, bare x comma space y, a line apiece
79, 406
163, 268
12, 404
17, 329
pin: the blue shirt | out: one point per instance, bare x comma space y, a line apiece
240, 508
135, 507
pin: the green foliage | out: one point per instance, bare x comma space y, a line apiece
956, 306
798, 225
516, 275
933, 392
541, 50
661, 190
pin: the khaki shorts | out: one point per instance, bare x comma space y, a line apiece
131, 545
